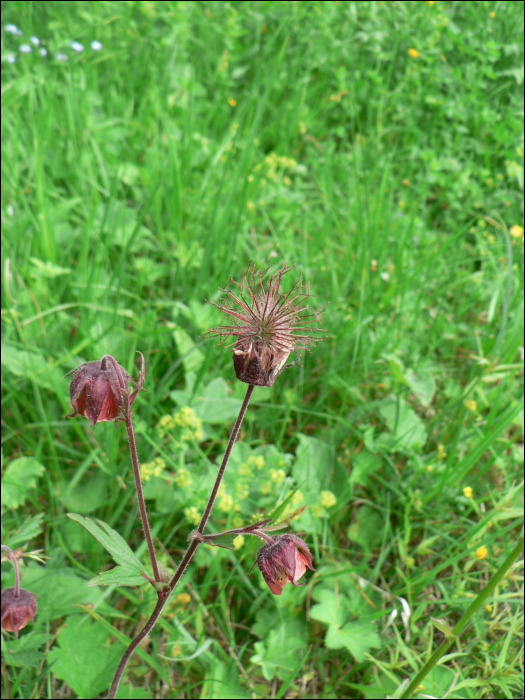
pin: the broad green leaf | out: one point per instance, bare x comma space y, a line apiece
19, 478
422, 384
86, 496
332, 608
192, 358
212, 404
84, 657
278, 651
407, 427
223, 541
358, 637
23, 652
367, 528
313, 464
35, 367
110, 540
222, 682
363, 465
119, 576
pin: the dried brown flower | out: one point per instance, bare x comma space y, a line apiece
17, 610
269, 325
99, 390
281, 562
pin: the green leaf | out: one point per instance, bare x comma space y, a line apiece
112, 541
422, 384
86, 496
84, 658
119, 576
367, 528
192, 358
33, 366
29, 530
222, 682
407, 427
313, 464
364, 464
212, 404
332, 609
279, 651
23, 652
358, 637
19, 478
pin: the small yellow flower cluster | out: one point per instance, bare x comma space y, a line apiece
277, 476
266, 488
237, 521
192, 515
242, 489
413, 53
328, 499
183, 478
516, 232
467, 492
238, 542
471, 405
245, 469
149, 469
257, 462
226, 503
186, 421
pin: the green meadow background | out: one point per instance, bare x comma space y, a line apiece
378, 146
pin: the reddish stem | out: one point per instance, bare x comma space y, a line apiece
164, 595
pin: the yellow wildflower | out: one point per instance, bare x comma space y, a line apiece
482, 552
413, 53
467, 492
192, 515
232, 102
430, 468
226, 503
516, 232
431, 2
238, 542
328, 499
492, 15
278, 476
183, 478
441, 453
297, 498
471, 405
488, 608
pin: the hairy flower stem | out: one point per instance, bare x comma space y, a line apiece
188, 556
140, 497
13, 558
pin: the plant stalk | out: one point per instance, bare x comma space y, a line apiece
165, 594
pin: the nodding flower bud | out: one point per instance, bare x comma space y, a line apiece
281, 562
268, 326
99, 388
17, 611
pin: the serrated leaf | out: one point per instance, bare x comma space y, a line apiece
119, 576
19, 478
29, 530
358, 637
83, 656
110, 540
